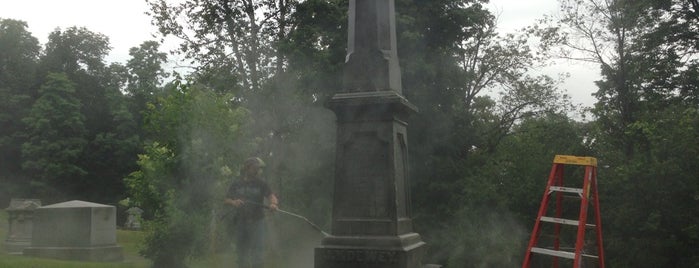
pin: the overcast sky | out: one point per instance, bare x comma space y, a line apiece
126, 25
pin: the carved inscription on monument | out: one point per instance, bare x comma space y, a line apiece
365, 194
360, 256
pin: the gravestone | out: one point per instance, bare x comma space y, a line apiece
371, 221
75, 230
133, 218
20, 218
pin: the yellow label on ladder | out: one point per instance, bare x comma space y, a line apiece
575, 160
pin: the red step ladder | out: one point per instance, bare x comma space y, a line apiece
579, 253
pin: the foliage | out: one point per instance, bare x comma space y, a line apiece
646, 108
197, 142
480, 146
18, 62
238, 36
56, 136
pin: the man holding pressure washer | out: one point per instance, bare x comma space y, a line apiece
247, 195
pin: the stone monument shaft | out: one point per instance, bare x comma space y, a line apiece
371, 224
372, 57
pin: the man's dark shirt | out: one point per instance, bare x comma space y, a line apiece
253, 193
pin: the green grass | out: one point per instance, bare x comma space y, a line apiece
128, 240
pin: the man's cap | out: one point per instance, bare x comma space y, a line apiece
254, 160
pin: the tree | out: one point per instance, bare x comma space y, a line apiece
647, 53
146, 74
76, 49
244, 47
602, 32
19, 52
239, 36
56, 138
110, 128
198, 141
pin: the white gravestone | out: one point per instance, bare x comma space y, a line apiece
133, 218
75, 230
20, 218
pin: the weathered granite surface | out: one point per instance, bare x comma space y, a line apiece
75, 230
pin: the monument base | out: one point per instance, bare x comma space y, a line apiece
15, 246
95, 254
404, 251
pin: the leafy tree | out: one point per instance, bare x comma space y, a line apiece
110, 128
18, 57
246, 48
647, 54
76, 49
452, 57
56, 137
19, 52
239, 36
145, 76
182, 174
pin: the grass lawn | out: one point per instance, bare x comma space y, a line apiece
129, 241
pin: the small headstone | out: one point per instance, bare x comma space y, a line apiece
75, 230
20, 217
133, 218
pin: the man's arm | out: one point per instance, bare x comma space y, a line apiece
233, 202
232, 198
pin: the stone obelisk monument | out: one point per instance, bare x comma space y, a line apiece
371, 221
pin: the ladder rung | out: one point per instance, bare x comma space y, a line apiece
575, 160
565, 189
551, 252
563, 221
558, 253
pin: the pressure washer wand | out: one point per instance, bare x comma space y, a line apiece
294, 215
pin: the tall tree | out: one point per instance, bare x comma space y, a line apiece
647, 53
19, 52
239, 36
183, 172
602, 32
146, 73
244, 47
56, 138
110, 128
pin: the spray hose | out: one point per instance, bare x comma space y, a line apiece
293, 215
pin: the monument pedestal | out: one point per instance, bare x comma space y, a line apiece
371, 213
404, 251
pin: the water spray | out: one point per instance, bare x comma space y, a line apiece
325, 234
293, 215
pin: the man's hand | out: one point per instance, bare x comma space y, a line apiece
235, 203
273, 202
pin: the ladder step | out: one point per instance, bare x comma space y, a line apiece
575, 160
564, 221
559, 253
578, 191
551, 252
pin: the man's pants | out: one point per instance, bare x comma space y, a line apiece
249, 243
